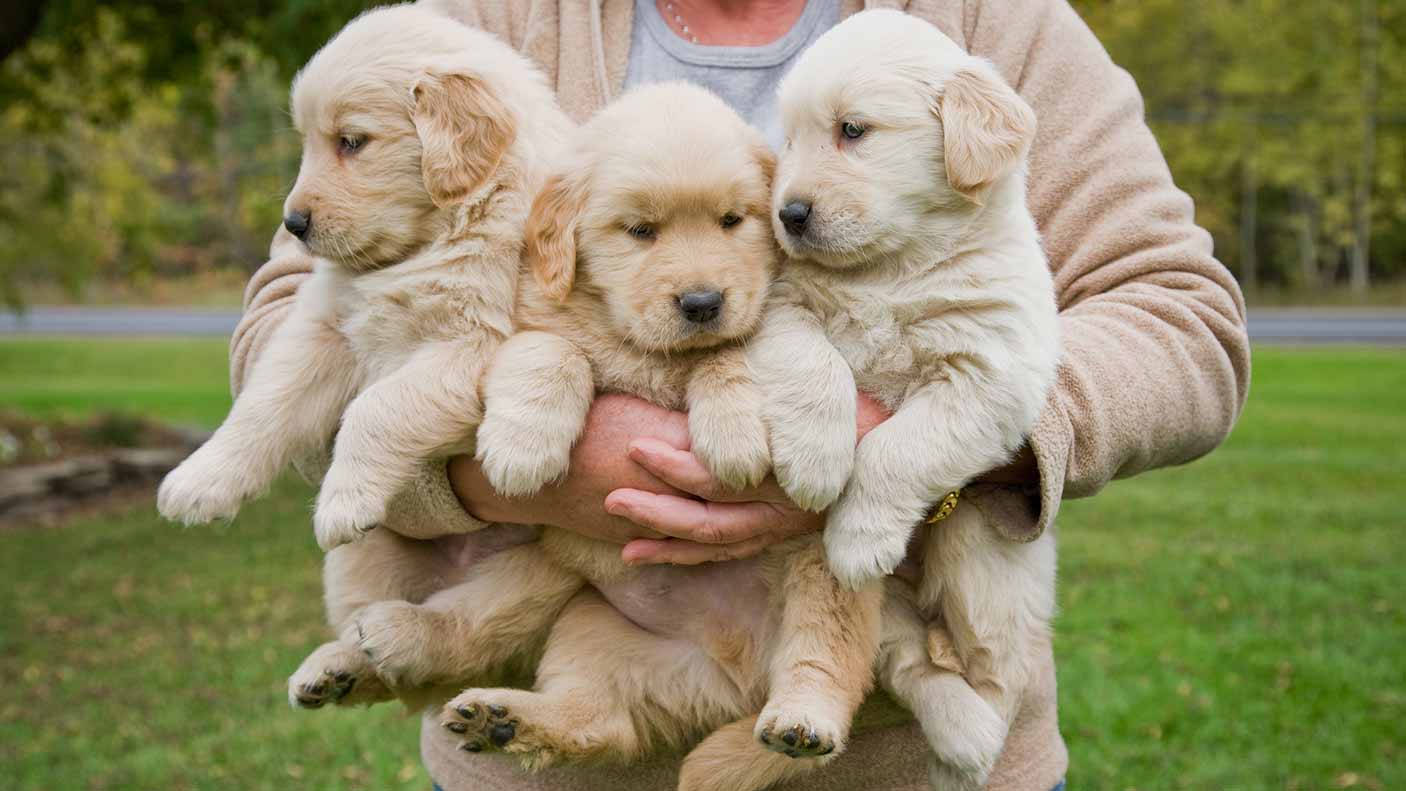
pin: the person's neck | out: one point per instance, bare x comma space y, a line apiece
731, 23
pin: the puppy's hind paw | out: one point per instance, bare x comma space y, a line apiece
335, 673
797, 734
396, 637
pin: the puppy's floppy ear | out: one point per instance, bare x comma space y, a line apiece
987, 129
766, 160
550, 235
464, 130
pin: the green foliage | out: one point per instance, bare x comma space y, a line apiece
1267, 101
1232, 624
177, 381
137, 144
140, 140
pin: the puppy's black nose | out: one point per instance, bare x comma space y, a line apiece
701, 307
297, 222
794, 215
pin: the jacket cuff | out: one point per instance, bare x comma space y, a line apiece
1051, 442
1024, 513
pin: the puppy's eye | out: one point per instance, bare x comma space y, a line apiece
642, 231
729, 220
350, 144
851, 130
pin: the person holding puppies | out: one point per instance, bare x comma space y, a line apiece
1154, 368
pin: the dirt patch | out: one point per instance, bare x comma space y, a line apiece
54, 470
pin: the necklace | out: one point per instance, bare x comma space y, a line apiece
673, 17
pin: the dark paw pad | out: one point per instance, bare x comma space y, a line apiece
330, 688
502, 733
797, 742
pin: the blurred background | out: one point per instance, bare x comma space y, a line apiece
1232, 624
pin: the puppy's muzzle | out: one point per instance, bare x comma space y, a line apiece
700, 307
298, 223
794, 216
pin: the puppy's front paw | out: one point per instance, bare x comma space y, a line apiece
519, 459
396, 638
335, 673
345, 513
813, 461
863, 543
965, 748
798, 733
731, 443
205, 487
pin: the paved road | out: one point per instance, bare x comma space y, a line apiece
119, 321
1328, 326
1287, 327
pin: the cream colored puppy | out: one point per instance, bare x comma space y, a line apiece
651, 255
916, 274
424, 142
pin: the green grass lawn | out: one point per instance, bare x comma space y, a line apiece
1233, 624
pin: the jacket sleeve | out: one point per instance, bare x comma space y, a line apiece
427, 507
1156, 361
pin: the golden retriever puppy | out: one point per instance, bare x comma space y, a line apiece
650, 258
915, 273
424, 142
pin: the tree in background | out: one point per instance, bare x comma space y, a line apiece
1285, 120
146, 139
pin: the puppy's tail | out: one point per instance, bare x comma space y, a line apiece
731, 759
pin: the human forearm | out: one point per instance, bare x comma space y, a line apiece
267, 300
1156, 362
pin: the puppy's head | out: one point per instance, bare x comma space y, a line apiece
894, 136
663, 218
405, 115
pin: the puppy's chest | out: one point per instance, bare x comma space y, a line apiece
386, 320
659, 380
892, 338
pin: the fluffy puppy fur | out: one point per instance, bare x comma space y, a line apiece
916, 274
424, 143
667, 195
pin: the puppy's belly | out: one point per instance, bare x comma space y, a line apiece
463, 550
690, 602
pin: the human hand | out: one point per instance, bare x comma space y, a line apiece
710, 522
599, 464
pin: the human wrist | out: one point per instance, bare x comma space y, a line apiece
478, 498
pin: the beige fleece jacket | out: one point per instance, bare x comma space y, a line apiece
1156, 362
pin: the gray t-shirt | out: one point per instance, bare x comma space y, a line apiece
745, 77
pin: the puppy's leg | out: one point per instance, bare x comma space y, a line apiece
822, 665
730, 759
810, 405
606, 690
338, 673
290, 406
498, 617
536, 395
945, 434
966, 735
725, 420
996, 598
422, 409
383, 567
